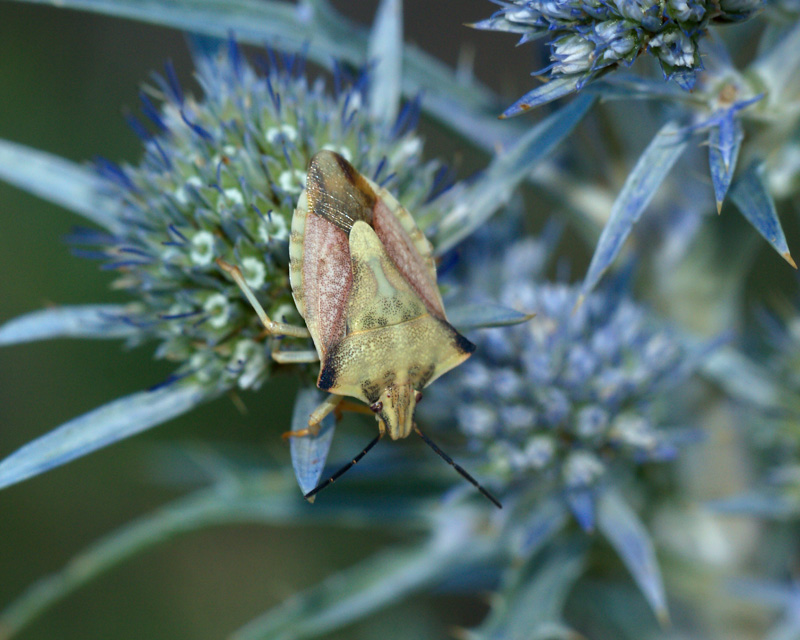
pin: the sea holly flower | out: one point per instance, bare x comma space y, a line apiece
738, 112
730, 114
573, 395
568, 408
589, 38
219, 180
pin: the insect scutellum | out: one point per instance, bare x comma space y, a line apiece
363, 278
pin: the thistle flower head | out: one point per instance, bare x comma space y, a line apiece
571, 394
220, 178
589, 36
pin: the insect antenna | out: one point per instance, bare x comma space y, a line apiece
457, 467
343, 470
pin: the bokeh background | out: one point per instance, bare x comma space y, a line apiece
67, 78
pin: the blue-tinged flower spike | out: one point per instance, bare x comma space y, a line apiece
590, 37
725, 136
220, 178
569, 396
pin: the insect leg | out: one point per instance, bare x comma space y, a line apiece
272, 327
354, 407
294, 357
317, 416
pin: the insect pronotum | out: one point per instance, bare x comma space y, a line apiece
364, 280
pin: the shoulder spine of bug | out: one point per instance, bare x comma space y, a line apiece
363, 278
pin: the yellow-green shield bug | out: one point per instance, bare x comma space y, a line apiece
364, 280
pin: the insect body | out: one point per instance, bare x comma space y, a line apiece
364, 279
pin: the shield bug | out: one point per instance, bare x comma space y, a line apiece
363, 278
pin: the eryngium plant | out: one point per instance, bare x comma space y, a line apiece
580, 419
589, 38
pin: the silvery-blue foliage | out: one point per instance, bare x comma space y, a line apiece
605, 415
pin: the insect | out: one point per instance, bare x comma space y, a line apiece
364, 280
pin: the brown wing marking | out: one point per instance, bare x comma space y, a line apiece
409, 225
418, 271
328, 277
320, 275
336, 197
337, 192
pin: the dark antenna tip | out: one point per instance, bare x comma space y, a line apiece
458, 468
310, 495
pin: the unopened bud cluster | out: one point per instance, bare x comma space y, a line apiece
587, 36
570, 394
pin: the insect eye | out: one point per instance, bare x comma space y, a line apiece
376, 407
418, 396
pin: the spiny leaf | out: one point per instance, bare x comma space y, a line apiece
534, 608
85, 321
377, 582
622, 528
264, 497
551, 90
499, 23
639, 188
386, 52
540, 525
309, 453
724, 142
495, 186
480, 316
582, 504
311, 27
203, 509
754, 201
105, 425
56, 180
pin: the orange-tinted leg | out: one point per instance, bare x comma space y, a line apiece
315, 419
272, 327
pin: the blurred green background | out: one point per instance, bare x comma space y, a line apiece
66, 79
